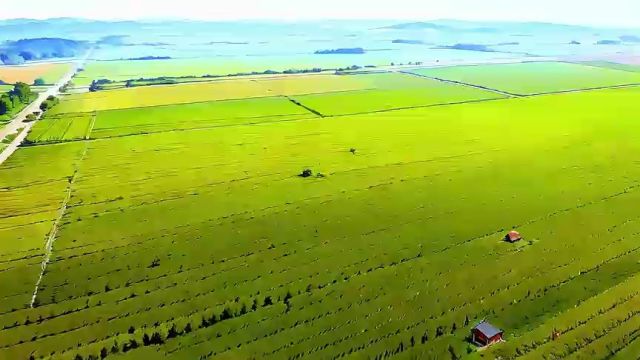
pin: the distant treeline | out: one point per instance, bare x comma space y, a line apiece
101, 84
143, 58
345, 51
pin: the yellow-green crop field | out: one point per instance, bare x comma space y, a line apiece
218, 90
185, 231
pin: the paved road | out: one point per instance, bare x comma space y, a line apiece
18, 121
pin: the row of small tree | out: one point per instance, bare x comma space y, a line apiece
50, 102
99, 84
157, 337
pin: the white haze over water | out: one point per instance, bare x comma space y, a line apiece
611, 13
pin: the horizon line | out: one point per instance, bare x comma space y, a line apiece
311, 20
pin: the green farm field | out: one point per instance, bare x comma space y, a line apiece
110, 123
220, 90
175, 223
535, 77
62, 127
613, 65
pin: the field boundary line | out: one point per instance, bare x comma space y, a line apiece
54, 229
298, 103
455, 82
612, 87
87, 135
422, 106
66, 129
52, 122
599, 66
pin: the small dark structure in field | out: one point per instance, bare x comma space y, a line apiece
485, 334
306, 173
513, 236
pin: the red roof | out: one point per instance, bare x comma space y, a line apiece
514, 236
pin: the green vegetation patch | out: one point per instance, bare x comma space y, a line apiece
241, 88
535, 77
33, 185
425, 93
159, 95
15, 100
181, 237
613, 65
197, 115
60, 128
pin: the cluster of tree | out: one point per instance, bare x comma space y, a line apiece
32, 117
50, 102
64, 88
99, 84
20, 94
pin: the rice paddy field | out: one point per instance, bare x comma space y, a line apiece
50, 72
174, 224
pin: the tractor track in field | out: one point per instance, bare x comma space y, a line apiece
92, 124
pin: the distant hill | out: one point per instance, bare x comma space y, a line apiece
409, 42
417, 26
468, 47
18, 52
630, 38
112, 40
608, 42
488, 27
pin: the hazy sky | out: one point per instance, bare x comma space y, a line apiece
596, 12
